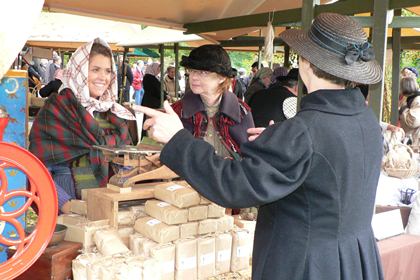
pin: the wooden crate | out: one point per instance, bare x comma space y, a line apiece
54, 263
103, 203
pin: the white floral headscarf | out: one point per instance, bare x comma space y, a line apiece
153, 69
75, 77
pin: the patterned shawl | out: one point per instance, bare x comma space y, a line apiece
64, 130
75, 78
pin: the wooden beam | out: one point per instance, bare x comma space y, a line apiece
398, 4
176, 51
379, 40
162, 72
396, 58
397, 21
280, 17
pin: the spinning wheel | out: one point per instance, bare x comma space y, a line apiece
41, 192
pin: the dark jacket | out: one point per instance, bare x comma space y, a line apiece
267, 104
233, 120
255, 86
314, 177
51, 87
151, 86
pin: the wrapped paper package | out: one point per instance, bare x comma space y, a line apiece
80, 263
125, 218
225, 223
109, 243
178, 195
93, 268
165, 256
156, 230
197, 213
186, 259
138, 211
78, 207
206, 258
140, 245
80, 229
151, 269
215, 211
188, 230
223, 252
204, 201
124, 234
240, 250
166, 213
207, 226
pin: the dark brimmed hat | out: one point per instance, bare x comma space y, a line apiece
337, 45
211, 58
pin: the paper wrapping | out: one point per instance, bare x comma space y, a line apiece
138, 211
80, 229
165, 212
78, 207
93, 268
225, 223
125, 218
124, 234
197, 213
165, 256
186, 259
206, 258
140, 245
178, 195
215, 211
156, 230
151, 270
204, 201
80, 263
109, 243
240, 250
188, 230
223, 252
207, 226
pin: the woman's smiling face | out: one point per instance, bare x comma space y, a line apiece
99, 76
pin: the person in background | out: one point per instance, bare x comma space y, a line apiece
169, 83
409, 72
138, 81
238, 86
262, 80
279, 71
53, 66
278, 102
314, 176
125, 82
53, 86
410, 108
151, 86
83, 114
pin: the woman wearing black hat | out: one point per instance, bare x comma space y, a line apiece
209, 110
314, 176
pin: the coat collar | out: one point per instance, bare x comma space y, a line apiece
340, 102
229, 105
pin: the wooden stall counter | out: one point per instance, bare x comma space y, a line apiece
55, 263
400, 257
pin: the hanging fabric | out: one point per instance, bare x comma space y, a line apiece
269, 39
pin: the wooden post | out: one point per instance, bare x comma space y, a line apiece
176, 51
162, 72
379, 40
396, 58
308, 11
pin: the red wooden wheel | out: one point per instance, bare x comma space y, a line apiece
42, 193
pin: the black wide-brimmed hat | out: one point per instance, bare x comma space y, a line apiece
337, 45
212, 58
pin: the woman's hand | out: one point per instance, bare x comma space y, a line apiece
161, 126
254, 132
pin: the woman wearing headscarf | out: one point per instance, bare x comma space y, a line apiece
151, 86
84, 113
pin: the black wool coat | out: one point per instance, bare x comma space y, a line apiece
314, 177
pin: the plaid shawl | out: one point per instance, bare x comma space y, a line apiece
64, 131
